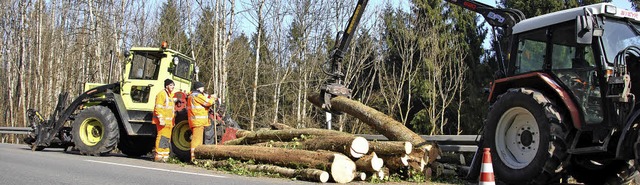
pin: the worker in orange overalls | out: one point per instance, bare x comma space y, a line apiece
198, 104
163, 114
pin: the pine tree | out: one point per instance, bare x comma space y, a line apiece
171, 29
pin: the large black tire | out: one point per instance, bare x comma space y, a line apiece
181, 139
527, 138
135, 146
95, 131
599, 173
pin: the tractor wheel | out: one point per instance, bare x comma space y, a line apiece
135, 146
609, 172
527, 138
181, 140
95, 131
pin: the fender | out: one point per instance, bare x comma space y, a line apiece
121, 112
542, 82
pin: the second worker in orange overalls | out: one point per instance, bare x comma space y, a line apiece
198, 105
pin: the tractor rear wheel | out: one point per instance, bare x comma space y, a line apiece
607, 172
527, 138
95, 131
135, 146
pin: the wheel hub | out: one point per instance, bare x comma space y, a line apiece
517, 138
526, 138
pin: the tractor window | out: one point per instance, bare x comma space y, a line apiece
531, 49
140, 94
144, 66
182, 70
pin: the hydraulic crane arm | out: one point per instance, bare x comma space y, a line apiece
335, 86
496, 17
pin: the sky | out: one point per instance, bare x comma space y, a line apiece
246, 25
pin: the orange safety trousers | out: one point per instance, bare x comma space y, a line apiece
163, 141
196, 139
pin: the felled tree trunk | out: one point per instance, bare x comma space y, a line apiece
349, 145
339, 166
248, 137
280, 126
391, 147
417, 160
382, 123
396, 163
314, 175
369, 163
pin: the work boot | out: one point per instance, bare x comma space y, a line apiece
158, 158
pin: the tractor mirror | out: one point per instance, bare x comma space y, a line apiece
584, 29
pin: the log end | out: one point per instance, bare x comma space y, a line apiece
342, 169
408, 147
324, 177
359, 147
376, 162
360, 176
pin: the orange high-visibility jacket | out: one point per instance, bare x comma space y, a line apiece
164, 109
198, 109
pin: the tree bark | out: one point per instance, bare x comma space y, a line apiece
396, 163
381, 122
314, 175
340, 167
280, 126
248, 137
391, 147
352, 146
370, 163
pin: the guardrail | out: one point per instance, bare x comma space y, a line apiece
447, 143
15, 130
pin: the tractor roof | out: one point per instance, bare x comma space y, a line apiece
161, 50
607, 9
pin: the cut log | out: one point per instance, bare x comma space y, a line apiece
396, 163
379, 121
391, 147
280, 126
248, 137
359, 176
369, 163
339, 166
314, 175
417, 159
384, 173
352, 146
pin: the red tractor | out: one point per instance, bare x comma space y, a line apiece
564, 102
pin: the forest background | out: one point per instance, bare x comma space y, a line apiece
423, 63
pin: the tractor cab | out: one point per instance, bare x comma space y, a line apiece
145, 71
581, 56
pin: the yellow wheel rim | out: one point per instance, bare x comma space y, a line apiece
181, 136
91, 131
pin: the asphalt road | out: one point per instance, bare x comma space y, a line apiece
20, 165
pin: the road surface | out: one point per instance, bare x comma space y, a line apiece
20, 165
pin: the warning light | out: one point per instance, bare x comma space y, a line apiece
164, 45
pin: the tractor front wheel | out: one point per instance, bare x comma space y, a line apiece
527, 138
95, 131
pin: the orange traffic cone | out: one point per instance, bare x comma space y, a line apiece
486, 171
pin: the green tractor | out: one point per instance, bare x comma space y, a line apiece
118, 115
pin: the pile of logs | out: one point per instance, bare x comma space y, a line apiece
321, 155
